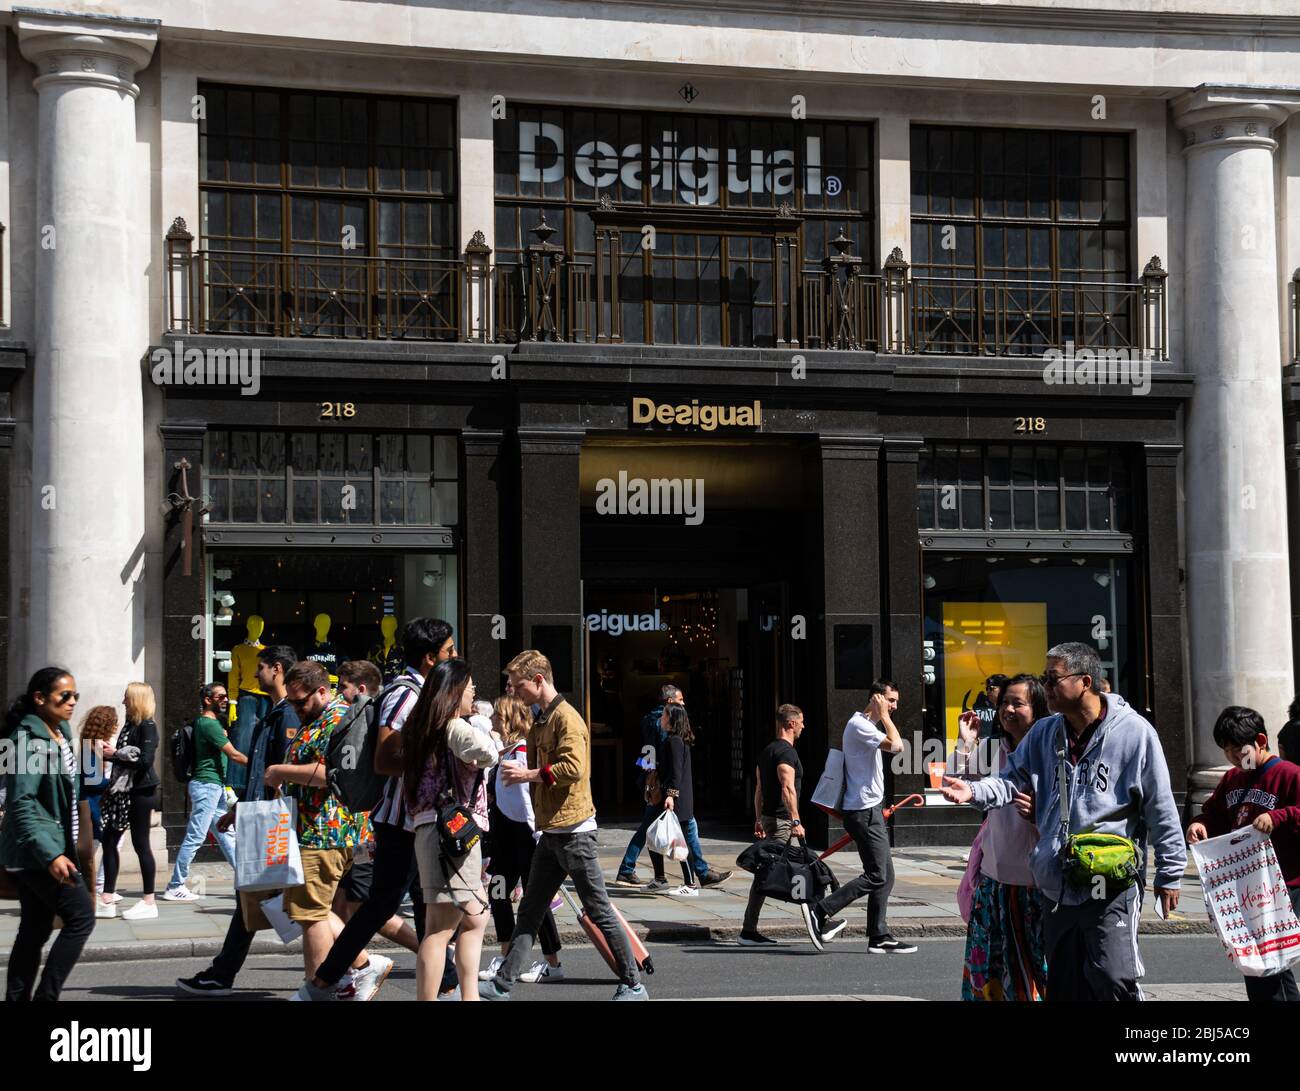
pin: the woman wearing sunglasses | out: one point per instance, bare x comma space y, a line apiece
38, 841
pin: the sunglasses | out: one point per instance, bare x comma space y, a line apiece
1051, 681
67, 695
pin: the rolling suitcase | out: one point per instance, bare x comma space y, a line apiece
639, 953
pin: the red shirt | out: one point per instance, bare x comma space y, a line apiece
1243, 795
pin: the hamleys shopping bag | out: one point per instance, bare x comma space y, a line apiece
266, 845
1247, 899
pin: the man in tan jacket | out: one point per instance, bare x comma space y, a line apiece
559, 776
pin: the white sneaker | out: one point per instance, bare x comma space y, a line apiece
115, 897
492, 967
686, 892
141, 911
542, 973
104, 909
309, 992
368, 981
180, 894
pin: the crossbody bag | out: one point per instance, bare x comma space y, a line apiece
1091, 859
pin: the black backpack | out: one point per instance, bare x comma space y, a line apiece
350, 758
183, 755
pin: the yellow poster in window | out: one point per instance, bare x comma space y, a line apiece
983, 638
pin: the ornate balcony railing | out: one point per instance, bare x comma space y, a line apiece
548, 295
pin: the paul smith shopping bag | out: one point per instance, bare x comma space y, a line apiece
266, 845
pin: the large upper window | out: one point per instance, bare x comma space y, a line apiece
347, 478
1026, 487
348, 199
730, 200
1023, 207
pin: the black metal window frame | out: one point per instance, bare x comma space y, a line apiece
737, 231
289, 489
272, 232
1041, 231
1066, 489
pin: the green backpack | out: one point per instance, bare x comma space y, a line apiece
1092, 859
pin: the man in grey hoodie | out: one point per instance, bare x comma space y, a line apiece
1117, 783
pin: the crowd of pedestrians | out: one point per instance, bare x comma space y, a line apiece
486, 802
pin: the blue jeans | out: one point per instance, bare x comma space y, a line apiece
652, 811
251, 708
207, 804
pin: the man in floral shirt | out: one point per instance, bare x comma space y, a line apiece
327, 831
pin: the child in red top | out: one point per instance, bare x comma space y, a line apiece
1263, 791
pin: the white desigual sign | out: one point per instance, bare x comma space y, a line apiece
1247, 899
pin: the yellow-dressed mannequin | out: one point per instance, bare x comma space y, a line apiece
243, 665
324, 652
387, 655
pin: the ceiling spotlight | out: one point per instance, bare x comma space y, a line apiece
1101, 579
1080, 561
1037, 560
930, 583
225, 598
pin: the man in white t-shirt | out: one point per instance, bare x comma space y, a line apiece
867, 734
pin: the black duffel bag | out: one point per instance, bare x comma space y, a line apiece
788, 872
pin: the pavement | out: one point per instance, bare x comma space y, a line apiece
923, 904
1178, 968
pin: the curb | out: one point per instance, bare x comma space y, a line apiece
665, 933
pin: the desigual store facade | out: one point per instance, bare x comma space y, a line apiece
758, 379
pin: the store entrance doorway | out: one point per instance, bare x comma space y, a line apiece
706, 607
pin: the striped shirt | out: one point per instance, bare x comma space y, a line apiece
70, 768
395, 705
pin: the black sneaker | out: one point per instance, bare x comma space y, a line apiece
713, 878
832, 928
813, 921
203, 985
887, 945
756, 939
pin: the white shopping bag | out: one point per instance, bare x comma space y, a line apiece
666, 838
266, 845
1247, 899
829, 793
287, 930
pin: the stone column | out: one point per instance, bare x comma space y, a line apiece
1237, 581
87, 592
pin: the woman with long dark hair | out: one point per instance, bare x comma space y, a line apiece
38, 841
1005, 956
443, 758
676, 778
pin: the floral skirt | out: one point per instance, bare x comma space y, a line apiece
1005, 958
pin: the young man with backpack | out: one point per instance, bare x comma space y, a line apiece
425, 642
351, 770
199, 760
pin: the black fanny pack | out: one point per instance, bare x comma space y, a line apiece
458, 833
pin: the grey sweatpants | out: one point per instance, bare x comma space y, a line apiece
1092, 949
